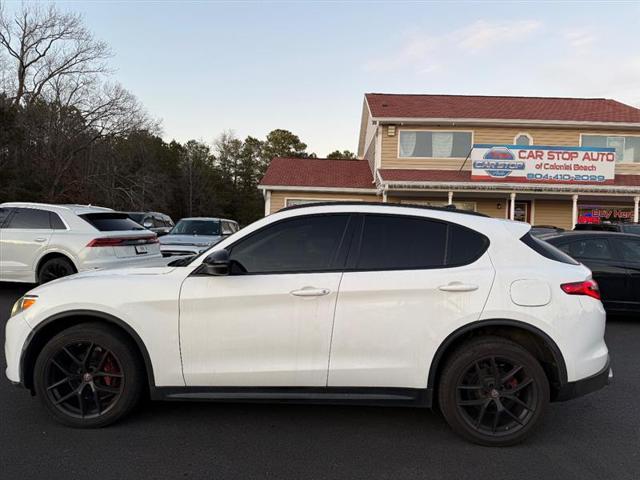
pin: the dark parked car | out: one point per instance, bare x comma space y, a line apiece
158, 223
614, 259
609, 227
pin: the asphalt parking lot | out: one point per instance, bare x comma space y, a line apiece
594, 437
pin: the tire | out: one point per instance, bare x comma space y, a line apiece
54, 268
484, 411
100, 387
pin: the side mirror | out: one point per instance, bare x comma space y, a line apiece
216, 263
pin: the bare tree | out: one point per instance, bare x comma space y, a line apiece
46, 46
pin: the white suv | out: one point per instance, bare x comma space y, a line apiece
40, 242
339, 303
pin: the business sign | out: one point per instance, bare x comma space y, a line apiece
543, 164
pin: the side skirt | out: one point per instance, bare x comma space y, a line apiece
372, 396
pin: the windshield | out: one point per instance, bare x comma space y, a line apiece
196, 227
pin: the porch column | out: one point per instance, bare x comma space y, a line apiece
636, 201
512, 206
384, 194
450, 197
267, 202
574, 211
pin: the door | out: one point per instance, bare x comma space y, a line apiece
268, 323
629, 249
24, 238
609, 270
411, 282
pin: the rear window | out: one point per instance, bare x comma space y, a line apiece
546, 249
111, 222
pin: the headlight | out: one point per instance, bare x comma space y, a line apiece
23, 303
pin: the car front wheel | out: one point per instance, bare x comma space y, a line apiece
88, 375
493, 392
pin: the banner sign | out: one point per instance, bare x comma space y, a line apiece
543, 164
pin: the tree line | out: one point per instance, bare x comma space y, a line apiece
69, 134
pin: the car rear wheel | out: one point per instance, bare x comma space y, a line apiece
493, 391
89, 376
55, 268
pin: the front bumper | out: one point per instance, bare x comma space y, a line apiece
17, 334
586, 385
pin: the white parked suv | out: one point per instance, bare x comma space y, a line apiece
40, 242
337, 303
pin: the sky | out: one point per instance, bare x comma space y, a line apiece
206, 67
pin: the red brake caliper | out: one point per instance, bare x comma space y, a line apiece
109, 367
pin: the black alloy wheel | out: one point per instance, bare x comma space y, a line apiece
493, 391
55, 268
84, 380
89, 375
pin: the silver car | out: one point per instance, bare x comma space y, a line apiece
192, 236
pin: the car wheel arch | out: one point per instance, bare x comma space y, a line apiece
536, 341
54, 254
55, 324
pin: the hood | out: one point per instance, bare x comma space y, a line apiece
153, 267
196, 240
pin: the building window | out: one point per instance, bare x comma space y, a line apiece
627, 147
523, 139
434, 144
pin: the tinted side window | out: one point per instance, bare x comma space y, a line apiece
590, 248
304, 244
29, 218
4, 213
465, 246
398, 242
56, 222
629, 248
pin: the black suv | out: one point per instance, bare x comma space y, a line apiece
609, 227
614, 259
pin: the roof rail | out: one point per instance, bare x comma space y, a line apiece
450, 208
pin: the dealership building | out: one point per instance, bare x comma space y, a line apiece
546, 161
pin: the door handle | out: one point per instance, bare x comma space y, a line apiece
458, 287
310, 292
40, 239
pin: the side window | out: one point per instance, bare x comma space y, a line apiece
29, 218
4, 214
56, 222
465, 246
303, 244
629, 248
226, 228
398, 242
590, 248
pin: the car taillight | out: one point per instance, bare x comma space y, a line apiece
588, 287
121, 241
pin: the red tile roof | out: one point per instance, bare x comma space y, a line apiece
318, 172
409, 175
384, 105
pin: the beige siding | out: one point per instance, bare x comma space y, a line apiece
554, 212
279, 199
506, 135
